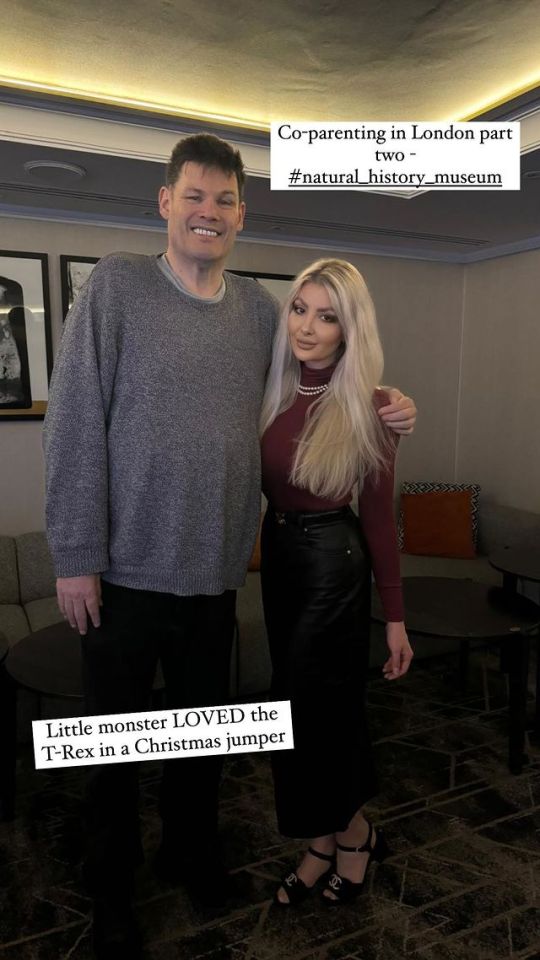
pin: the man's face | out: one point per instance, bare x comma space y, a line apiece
204, 213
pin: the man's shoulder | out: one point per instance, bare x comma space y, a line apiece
253, 291
118, 278
123, 263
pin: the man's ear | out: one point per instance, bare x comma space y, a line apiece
241, 215
165, 202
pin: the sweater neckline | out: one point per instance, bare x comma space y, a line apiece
167, 269
196, 302
313, 378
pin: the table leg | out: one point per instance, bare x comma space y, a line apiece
506, 655
464, 646
517, 702
537, 709
510, 582
8, 744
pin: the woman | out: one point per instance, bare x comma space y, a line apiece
321, 436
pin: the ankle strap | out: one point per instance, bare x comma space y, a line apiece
321, 856
364, 848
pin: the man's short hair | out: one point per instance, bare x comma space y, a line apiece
208, 151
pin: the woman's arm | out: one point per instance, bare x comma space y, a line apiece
376, 511
400, 649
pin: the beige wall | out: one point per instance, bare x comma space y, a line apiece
419, 305
498, 424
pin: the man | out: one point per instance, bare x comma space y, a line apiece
153, 499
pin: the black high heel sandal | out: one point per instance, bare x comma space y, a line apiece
343, 889
295, 888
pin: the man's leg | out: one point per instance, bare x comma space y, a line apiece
119, 662
196, 659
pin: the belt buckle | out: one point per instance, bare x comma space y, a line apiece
280, 517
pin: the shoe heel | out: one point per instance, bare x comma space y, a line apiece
381, 850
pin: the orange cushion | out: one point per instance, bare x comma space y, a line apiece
255, 562
438, 524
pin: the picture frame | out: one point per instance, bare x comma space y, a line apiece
25, 335
74, 272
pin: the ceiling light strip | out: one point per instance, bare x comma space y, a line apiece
133, 103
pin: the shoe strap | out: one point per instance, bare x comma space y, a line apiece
322, 856
364, 848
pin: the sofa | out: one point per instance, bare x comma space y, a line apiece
27, 586
28, 599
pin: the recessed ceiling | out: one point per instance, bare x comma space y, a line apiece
255, 62
455, 226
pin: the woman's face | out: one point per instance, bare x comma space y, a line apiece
315, 333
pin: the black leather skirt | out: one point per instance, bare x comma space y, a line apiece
316, 581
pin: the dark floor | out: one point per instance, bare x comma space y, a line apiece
465, 833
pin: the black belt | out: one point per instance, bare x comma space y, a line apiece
301, 519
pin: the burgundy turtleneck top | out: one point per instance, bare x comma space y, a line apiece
376, 504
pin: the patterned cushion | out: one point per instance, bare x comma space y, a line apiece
409, 486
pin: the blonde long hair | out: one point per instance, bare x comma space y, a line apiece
343, 439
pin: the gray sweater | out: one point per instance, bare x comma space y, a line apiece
151, 435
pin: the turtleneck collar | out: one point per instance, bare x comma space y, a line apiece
312, 378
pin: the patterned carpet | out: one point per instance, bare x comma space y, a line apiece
462, 883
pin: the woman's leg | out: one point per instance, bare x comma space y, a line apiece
349, 864
316, 598
316, 595
311, 868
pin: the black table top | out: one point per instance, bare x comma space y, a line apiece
465, 609
49, 662
519, 561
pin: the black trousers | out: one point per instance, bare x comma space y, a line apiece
316, 594
192, 637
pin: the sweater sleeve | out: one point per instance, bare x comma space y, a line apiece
376, 511
75, 433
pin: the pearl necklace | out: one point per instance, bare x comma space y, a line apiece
312, 391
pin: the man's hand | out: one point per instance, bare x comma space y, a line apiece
76, 597
400, 413
401, 653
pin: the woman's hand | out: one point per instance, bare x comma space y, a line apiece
401, 653
400, 412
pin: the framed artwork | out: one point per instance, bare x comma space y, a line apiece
276, 283
74, 272
25, 335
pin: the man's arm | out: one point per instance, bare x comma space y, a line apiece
75, 446
79, 597
400, 413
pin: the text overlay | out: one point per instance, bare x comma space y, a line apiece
395, 156
194, 732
